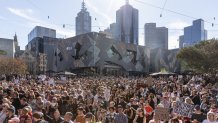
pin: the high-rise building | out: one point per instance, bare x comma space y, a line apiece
181, 41
194, 34
83, 21
127, 24
39, 31
111, 32
9, 47
156, 37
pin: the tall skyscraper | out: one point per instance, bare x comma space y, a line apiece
156, 37
83, 21
127, 24
194, 34
39, 31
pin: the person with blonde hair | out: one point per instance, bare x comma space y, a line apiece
188, 101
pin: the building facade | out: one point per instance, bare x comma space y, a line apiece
195, 33
156, 37
127, 20
111, 32
83, 21
7, 48
30, 61
91, 50
39, 31
104, 55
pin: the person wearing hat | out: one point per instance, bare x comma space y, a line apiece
120, 117
80, 116
211, 118
37, 118
10, 114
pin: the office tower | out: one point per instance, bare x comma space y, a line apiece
127, 24
83, 21
39, 31
195, 33
156, 37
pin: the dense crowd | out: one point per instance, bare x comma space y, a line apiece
106, 99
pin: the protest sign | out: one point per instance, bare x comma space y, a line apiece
161, 114
148, 109
165, 103
183, 109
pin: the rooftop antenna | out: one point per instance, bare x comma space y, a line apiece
83, 6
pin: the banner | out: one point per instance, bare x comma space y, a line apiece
162, 114
183, 109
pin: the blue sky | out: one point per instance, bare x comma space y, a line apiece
21, 16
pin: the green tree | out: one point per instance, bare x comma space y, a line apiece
202, 57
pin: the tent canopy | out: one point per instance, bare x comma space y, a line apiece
162, 72
67, 73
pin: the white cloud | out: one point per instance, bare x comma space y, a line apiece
177, 24
24, 13
101, 14
32, 21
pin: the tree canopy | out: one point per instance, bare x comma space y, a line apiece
12, 66
202, 57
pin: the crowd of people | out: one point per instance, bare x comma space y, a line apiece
108, 99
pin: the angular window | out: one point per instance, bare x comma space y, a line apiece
132, 54
112, 52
